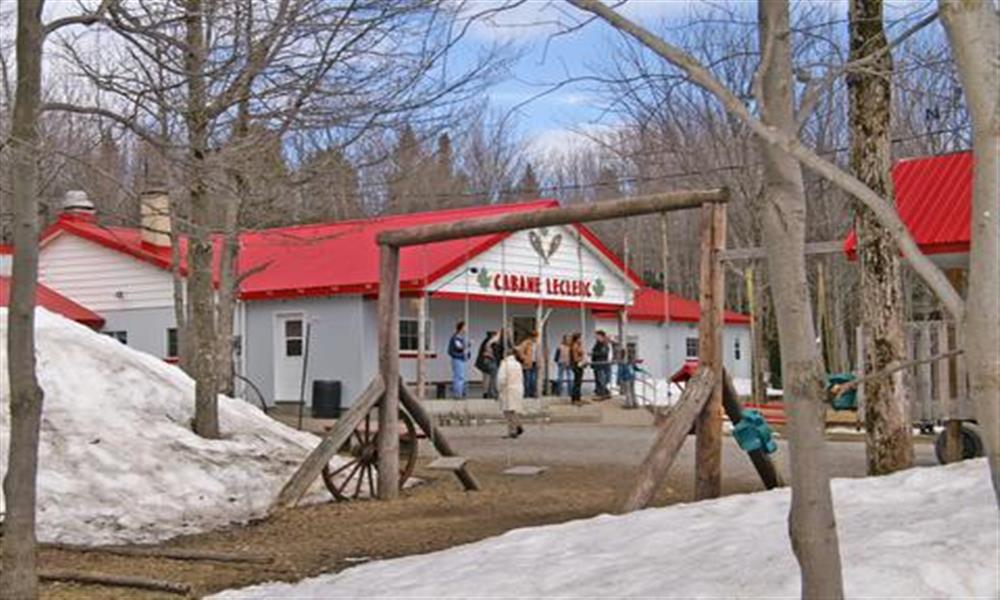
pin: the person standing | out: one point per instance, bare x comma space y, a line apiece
563, 370
577, 359
510, 384
459, 353
527, 352
600, 357
487, 363
626, 377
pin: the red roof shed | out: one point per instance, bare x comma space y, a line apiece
934, 200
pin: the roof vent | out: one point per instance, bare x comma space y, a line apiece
76, 202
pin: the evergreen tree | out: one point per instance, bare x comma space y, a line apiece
528, 187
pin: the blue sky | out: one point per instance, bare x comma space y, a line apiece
549, 59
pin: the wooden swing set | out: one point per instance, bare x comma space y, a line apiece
707, 395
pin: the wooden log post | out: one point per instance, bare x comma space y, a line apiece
312, 466
923, 401
948, 401
388, 364
669, 439
421, 356
435, 435
761, 460
708, 449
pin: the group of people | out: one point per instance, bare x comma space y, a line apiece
510, 372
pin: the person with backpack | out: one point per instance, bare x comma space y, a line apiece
487, 363
459, 353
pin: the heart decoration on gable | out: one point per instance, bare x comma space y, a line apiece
538, 243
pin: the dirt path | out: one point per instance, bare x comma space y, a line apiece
589, 468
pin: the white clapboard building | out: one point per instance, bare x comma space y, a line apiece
308, 310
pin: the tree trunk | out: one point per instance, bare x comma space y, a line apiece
18, 575
201, 298
180, 302
812, 525
888, 439
973, 29
228, 291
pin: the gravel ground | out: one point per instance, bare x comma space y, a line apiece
590, 467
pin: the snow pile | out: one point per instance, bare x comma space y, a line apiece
929, 533
119, 462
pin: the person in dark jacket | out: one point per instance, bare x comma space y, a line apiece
577, 358
459, 353
600, 358
487, 361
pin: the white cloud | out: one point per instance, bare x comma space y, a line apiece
552, 143
536, 19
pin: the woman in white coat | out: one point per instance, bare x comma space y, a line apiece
510, 386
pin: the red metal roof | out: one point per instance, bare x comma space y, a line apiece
327, 258
55, 302
648, 306
934, 200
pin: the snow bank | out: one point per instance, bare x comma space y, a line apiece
929, 533
119, 462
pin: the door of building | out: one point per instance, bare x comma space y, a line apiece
289, 347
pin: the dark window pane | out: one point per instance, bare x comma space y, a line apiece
121, 336
293, 347
293, 328
691, 347
172, 342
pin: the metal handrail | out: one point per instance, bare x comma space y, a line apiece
260, 396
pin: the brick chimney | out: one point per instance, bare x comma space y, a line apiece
155, 217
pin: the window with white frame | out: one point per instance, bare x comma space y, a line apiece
409, 335
691, 347
736, 349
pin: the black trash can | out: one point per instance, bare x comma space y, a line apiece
326, 399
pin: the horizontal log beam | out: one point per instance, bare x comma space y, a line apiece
831, 247
580, 213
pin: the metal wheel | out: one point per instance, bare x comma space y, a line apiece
358, 474
971, 441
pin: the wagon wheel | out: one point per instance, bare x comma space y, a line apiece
358, 473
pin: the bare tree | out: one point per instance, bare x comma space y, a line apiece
17, 577
811, 521
973, 29
889, 440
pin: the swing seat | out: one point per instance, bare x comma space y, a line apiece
448, 463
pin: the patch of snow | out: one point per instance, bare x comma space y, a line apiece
921, 533
118, 460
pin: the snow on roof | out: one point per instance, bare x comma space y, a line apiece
326, 258
52, 300
648, 305
934, 200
